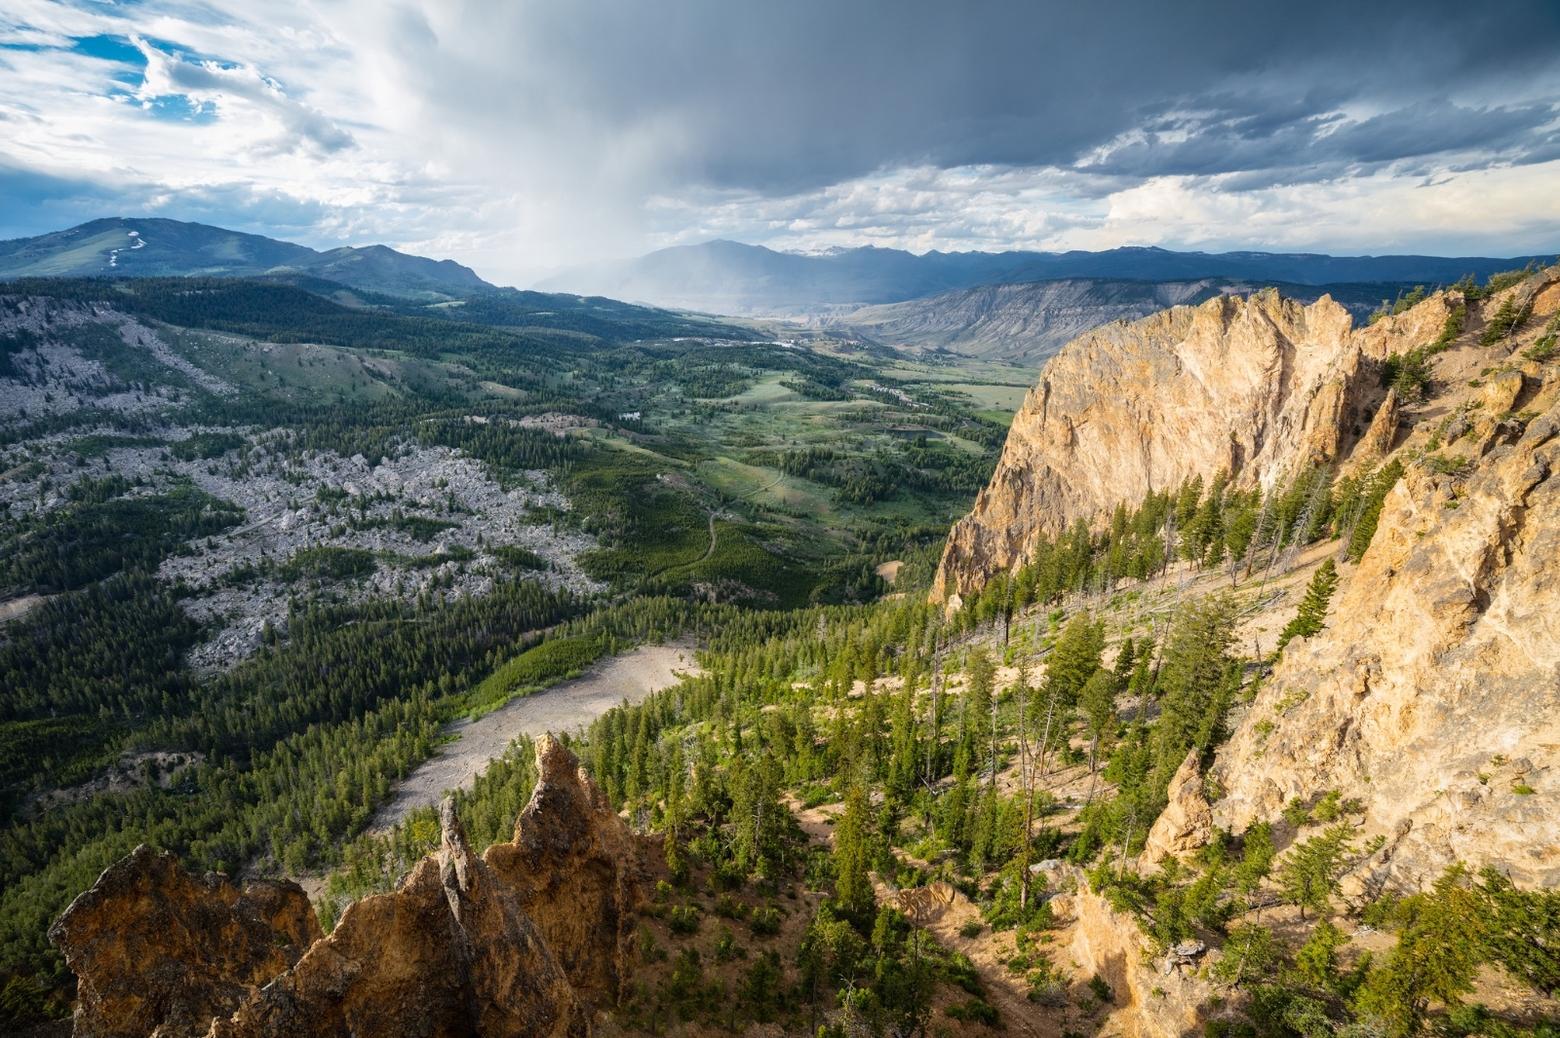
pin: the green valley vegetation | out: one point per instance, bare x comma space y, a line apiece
646, 446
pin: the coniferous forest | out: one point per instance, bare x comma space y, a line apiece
486, 512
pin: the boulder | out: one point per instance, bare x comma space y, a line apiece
1502, 390
1186, 823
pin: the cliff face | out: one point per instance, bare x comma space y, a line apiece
1255, 387
522, 941
1152, 995
1433, 695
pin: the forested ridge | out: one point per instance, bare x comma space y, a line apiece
939, 742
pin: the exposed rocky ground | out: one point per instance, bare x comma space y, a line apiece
428, 516
566, 707
57, 374
524, 940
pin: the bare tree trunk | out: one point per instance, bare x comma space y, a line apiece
1026, 781
1045, 739
1126, 841
936, 718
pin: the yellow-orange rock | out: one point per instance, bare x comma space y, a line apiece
1433, 693
448, 954
573, 870
1255, 387
1186, 823
157, 950
524, 943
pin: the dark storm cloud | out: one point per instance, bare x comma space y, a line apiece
1327, 146
778, 98
532, 133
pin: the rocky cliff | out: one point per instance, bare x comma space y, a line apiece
1254, 386
1153, 993
158, 950
525, 940
1433, 695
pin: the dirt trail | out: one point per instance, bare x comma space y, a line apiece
631, 676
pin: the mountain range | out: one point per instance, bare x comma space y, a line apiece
733, 278
1027, 322
130, 247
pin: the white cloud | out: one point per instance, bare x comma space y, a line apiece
241, 95
522, 136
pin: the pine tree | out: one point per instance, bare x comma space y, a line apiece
852, 853
1309, 874
1099, 706
1317, 959
1437, 957
1373, 495
1313, 607
1074, 659
1125, 657
974, 716
1507, 319
1197, 682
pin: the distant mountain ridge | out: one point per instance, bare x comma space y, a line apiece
730, 277
156, 247
1030, 321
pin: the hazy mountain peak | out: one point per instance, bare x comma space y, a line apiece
123, 246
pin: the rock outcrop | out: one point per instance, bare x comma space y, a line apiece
1255, 387
1433, 694
525, 941
1186, 823
1381, 435
447, 954
571, 870
156, 949
1151, 996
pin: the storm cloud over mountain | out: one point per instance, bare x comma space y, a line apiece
519, 136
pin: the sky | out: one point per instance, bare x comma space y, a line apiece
526, 136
